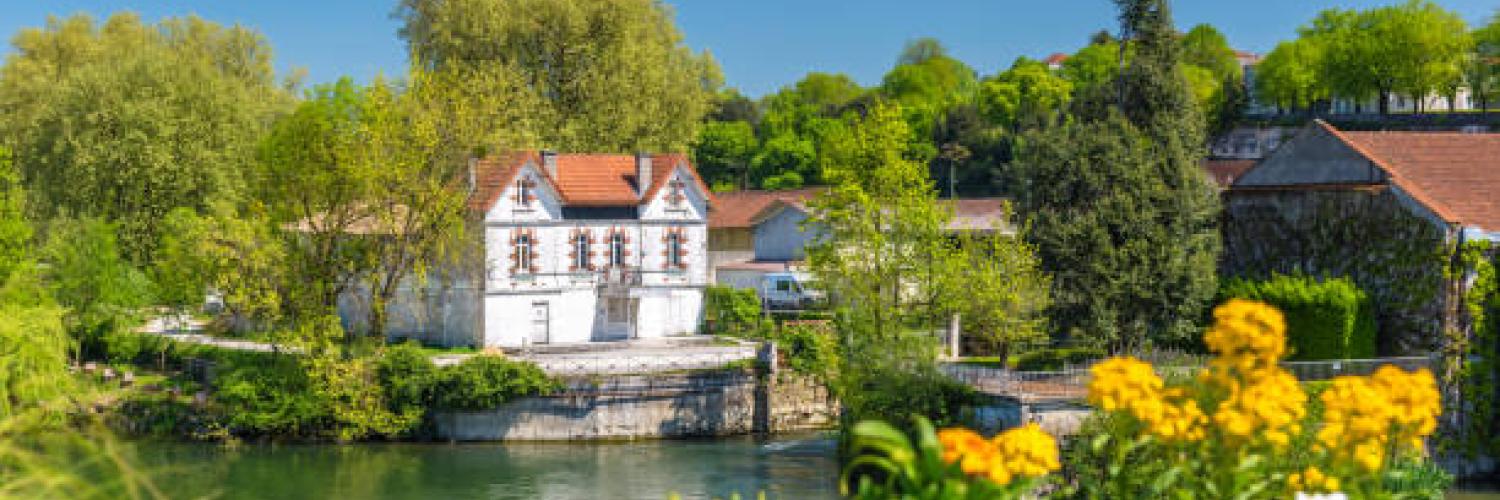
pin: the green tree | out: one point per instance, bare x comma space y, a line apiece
882, 231
1093, 66
926, 82
590, 75
1205, 47
994, 281
15, 229
128, 120
365, 177
1414, 48
724, 151
240, 257
1482, 67
1289, 76
101, 291
1028, 91
1122, 215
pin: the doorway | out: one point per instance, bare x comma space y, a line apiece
540, 322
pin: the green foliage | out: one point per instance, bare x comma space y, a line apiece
15, 229
236, 256
731, 310
1325, 319
34, 350
1415, 48
1027, 92
995, 283
1289, 76
484, 382
723, 151
148, 117
809, 349
582, 76
1052, 359
889, 463
407, 374
1126, 230
100, 289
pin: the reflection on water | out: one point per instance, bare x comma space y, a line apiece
800, 468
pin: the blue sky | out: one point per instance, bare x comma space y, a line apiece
761, 45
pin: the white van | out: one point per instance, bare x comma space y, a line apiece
788, 291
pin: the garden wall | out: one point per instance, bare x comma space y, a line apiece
653, 406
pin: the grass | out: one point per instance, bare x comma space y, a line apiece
987, 361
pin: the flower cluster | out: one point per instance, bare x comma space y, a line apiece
1128, 384
1261, 399
1365, 416
1025, 451
1312, 479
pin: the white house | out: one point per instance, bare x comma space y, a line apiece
575, 248
590, 247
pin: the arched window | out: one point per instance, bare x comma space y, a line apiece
674, 250
616, 249
581, 252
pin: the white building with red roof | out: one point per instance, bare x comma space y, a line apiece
588, 247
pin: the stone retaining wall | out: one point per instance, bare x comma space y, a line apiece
653, 406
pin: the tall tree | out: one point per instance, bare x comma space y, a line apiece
1122, 214
128, 120
15, 228
1414, 48
1288, 76
723, 153
1028, 92
1482, 67
611, 75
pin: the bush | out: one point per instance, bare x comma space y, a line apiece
1327, 319
731, 310
484, 382
407, 375
809, 349
1055, 359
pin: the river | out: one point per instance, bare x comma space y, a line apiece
798, 467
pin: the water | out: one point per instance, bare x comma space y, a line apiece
800, 467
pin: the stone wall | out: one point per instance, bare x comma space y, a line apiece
1371, 236
653, 406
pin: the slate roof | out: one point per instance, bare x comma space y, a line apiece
584, 180
1456, 175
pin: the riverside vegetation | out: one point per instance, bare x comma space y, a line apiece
1240, 427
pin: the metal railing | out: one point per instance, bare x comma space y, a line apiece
1072, 381
614, 364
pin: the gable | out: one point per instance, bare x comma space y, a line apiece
678, 196
1316, 156
545, 201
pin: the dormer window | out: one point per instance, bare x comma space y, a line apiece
675, 195
525, 192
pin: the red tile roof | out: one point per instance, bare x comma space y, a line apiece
582, 179
739, 208
1224, 172
1456, 175
1056, 58
979, 214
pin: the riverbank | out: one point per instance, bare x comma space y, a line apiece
801, 466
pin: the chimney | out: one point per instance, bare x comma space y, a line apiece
642, 173
549, 162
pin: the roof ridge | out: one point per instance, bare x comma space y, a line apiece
1400, 180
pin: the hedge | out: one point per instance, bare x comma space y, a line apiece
1325, 319
731, 310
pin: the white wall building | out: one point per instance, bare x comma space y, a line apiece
575, 248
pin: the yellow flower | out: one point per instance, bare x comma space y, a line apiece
1025, 451
1364, 415
1312, 480
971, 450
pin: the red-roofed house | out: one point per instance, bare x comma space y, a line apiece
588, 247
1387, 209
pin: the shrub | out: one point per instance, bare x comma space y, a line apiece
809, 349
407, 375
1327, 319
484, 382
731, 310
1055, 359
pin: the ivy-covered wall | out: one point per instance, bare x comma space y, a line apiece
1469, 358
1370, 236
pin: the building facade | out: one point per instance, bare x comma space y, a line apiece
590, 247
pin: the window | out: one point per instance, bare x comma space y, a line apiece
616, 249
676, 196
524, 192
674, 250
581, 252
525, 253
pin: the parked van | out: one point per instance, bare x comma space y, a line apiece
788, 291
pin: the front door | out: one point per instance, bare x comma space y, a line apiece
540, 323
